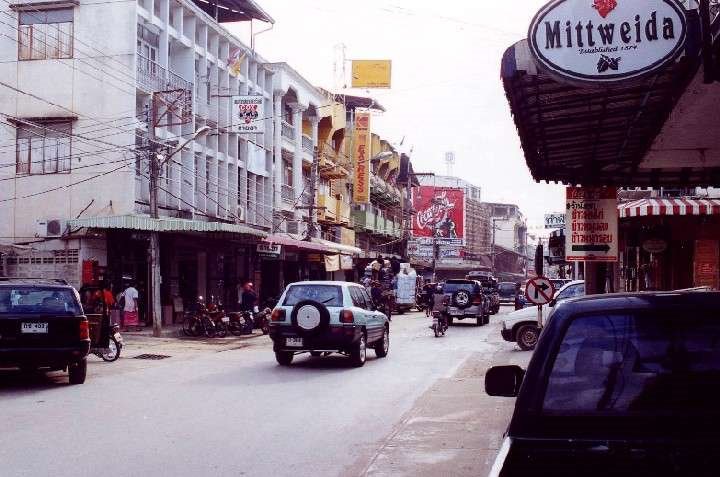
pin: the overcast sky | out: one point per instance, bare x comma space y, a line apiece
446, 93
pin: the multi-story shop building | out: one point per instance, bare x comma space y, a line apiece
83, 86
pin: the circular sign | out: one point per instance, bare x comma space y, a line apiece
607, 40
655, 245
539, 291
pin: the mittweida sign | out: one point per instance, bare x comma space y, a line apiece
607, 40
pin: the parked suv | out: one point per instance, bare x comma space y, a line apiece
43, 327
328, 317
465, 299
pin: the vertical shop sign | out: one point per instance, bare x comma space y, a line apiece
591, 233
707, 259
361, 158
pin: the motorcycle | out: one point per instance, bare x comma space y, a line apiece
241, 323
219, 319
115, 345
262, 320
440, 324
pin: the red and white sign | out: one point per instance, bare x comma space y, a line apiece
539, 291
440, 214
591, 226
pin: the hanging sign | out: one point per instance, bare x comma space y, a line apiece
555, 221
371, 73
591, 230
607, 40
361, 158
248, 114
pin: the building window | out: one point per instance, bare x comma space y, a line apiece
44, 149
46, 34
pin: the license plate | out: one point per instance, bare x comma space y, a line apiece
226, 319
456, 313
34, 328
118, 337
294, 342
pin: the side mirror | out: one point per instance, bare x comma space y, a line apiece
504, 381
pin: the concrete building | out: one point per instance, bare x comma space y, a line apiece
76, 109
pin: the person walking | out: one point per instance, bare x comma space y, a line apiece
249, 298
129, 301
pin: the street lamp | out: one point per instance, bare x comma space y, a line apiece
156, 162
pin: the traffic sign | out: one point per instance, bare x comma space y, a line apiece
591, 230
539, 291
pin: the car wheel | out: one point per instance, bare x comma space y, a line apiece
358, 355
382, 347
450, 321
480, 320
77, 372
315, 354
284, 358
527, 337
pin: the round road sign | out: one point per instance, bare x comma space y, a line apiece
539, 291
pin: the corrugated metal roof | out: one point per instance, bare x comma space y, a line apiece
140, 222
339, 248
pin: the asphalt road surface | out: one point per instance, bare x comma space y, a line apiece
235, 412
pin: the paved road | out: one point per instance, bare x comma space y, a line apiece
233, 412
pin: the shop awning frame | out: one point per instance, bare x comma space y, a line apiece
315, 245
149, 224
599, 135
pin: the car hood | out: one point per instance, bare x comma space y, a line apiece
524, 314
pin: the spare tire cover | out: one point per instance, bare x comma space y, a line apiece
310, 316
461, 299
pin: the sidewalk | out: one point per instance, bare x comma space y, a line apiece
173, 339
453, 429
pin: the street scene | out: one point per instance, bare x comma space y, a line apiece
302, 238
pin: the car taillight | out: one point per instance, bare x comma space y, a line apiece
477, 301
84, 330
346, 316
278, 314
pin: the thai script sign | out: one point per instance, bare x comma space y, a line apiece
361, 158
248, 114
591, 231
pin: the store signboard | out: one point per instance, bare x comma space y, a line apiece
707, 259
248, 115
604, 41
371, 73
555, 221
440, 216
361, 158
269, 250
591, 231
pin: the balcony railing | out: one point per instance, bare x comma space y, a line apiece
153, 77
307, 143
288, 194
288, 130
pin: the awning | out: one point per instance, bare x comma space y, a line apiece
658, 207
338, 247
299, 244
144, 223
599, 135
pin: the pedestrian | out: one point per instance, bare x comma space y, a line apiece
129, 301
376, 266
249, 298
519, 301
395, 265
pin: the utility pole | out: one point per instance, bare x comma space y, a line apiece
314, 173
155, 306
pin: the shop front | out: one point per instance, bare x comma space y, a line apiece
669, 244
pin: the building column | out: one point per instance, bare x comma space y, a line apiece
277, 170
298, 156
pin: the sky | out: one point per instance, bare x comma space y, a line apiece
446, 93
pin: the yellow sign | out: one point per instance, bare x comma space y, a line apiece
371, 73
361, 158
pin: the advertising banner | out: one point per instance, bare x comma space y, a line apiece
371, 73
591, 231
248, 114
440, 215
361, 158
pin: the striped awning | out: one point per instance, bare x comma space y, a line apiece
677, 206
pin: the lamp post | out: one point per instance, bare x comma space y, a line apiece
157, 161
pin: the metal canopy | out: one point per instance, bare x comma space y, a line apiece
598, 135
225, 11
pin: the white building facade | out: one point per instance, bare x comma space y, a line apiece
76, 102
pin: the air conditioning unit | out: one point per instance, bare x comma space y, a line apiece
49, 228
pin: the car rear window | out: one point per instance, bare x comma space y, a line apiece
636, 363
38, 300
507, 288
328, 295
452, 287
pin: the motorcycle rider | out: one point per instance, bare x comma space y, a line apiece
438, 304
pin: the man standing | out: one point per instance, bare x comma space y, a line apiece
249, 298
130, 298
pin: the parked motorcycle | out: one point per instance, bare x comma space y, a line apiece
262, 320
440, 324
112, 352
241, 323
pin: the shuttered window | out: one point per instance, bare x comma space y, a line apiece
46, 34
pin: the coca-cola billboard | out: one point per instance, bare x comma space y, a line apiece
440, 214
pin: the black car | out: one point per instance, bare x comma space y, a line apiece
466, 300
507, 291
43, 327
623, 384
